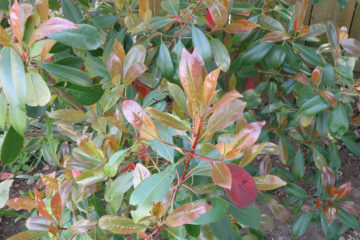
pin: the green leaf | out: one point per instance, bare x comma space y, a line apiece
314, 105
104, 21
37, 92
90, 177
298, 167
329, 75
275, 57
136, 55
71, 11
3, 107
270, 24
178, 94
4, 191
69, 74
249, 216
87, 37
331, 232
68, 115
11, 146
220, 53
295, 190
352, 146
309, 55
201, 42
322, 124
334, 156
256, 53
192, 230
111, 167
153, 188
28, 235
339, 122
162, 149
84, 95
165, 63
13, 81
218, 211
4, 5
159, 22
301, 223
171, 6
348, 219
223, 228
120, 225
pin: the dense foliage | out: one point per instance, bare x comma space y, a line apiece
154, 118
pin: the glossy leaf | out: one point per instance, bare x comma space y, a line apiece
11, 147
81, 226
298, 168
328, 97
201, 43
120, 225
221, 175
133, 113
70, 74
91, 177
18, 16
4, 38
248, 136
115, 160
256, 53
71, 11
328, 75
171, 6
248, 216
168, 119
301, 223
295, 190
278, 210
42, 7
218, 11
339, 121
135, 71
52, 25
21, 203
190, 73
328, 180
350, 207
240, 26
140, 174
69, 115
209, 88
217, 212
40, 206
86, 37
343, 191
56, 205
300, 11
37, 92
178, 94
268, 182
4, 191
135, 55
329, 214
28, 235
243, 188
225, 115
301, 77
12, 75
221, 54
145, 11
313, 106
38, 223
352, 46
275, 36
153, 188
81, 94
251, 153
186, 214
165, 63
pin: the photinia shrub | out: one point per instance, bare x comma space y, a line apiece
152, 113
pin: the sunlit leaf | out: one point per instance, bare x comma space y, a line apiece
120, 225
275, 36
18, 16
37, 92
300, 11
268, 182
56, 205
186, 214
69, 115
52, 25
168, 119
135, 71
248, 135
140, 174
42, 7
240, 26
145, 11
21, 203
221, 175
82, 226
351, 45
115, 160
4, 38
5, 191
38, 223
209, 89
28, 235
218, 11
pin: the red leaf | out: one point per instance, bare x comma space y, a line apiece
40, 206
209, 20
21, 203
56, 205
186, 214
343, 191
52, 25
328, 180
130, 167
243, 188
141, 88
250, 84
